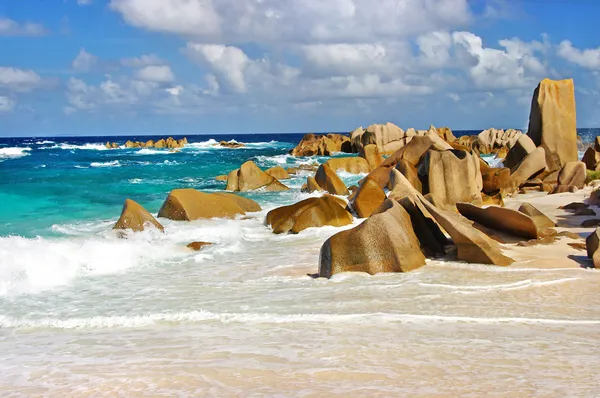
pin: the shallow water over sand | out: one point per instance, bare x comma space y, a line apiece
86, 313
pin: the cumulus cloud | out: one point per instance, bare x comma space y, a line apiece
157, 74
588, 58
84, 61
293, 21
9, 27
19, 80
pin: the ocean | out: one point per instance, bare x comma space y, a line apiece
84, 312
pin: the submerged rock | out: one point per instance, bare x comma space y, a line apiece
312, 212
189, 204
135, 217
385, 242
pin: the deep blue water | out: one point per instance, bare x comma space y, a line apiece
47, 183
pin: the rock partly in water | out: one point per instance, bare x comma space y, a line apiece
352, 165
278, 172
189, 204
135, 217
197, 246
322, 145
552, 120
369, 197
385, 242
329, 181
311, 185
250, 177
221, 178
311, 212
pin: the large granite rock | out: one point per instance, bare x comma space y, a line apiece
278, 172
591, 158
496, 179
592, 244
189, 204
573, 174
414, 150
311, 185
353, 165
450, 177
473, 246
532, 165
540, 219
381, 175
409, 171
135, 217
312, 212
501, 219
371, 154
388, 137
369, 197
385, 242
329, 181
323, 145
552, 120
492, 140
522, 147
446, 134
250, 177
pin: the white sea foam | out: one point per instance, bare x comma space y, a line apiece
137, 321
13, 152
524, 284
88, 146
214, 144
148, 151
44, 142
113, 163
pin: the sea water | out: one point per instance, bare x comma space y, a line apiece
84, 312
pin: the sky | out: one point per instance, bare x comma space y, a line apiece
114, 67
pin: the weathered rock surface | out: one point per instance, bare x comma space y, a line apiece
311, 185
353, 165
492, 140
323, 145
573, 174
189, 204
369, 197
135, 217
450, 177
592, 243
522, 147
414, 150
532, 165
473, 246
410, 172
371, 154
197, 246
501, 219
329, 181
591, 158
496, 179
311, 212
250, 177
540, 219
552, 120
385, 242
278, 172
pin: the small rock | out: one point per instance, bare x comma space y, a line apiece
585, 212
594, 222
196, 246
577, 246
574, 206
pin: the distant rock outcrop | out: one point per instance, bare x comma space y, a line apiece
169, 143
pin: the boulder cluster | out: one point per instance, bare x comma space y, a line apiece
168, 143
424, 194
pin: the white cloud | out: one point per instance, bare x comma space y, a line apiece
306, 21
228, 62
157, 74
84, 61
144, 60
6, 104
588, 58
9, 27
18, 79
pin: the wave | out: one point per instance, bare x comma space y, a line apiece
145, 320
493, 161
524, 284
13, 152
114, 163
89, 146
214, 144
44, 142
148, 151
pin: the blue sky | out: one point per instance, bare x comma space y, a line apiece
107, 67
